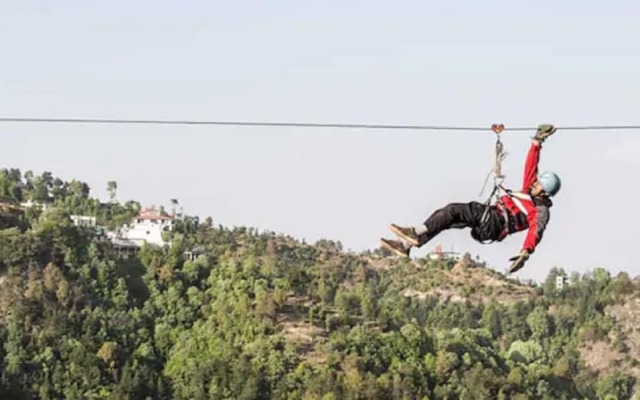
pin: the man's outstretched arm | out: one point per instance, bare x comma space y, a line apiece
533, 157
531, 165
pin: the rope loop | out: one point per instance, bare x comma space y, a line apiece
500, 155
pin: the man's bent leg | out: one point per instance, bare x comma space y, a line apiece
452, 216
410, 234
396, 246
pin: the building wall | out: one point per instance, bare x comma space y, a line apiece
149, 230
147, 227
82, 220
561, 281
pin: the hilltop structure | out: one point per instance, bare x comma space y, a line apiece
439, 254
147, 227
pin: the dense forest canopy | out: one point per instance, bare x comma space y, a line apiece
221, 313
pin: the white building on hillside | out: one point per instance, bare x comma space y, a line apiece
84, 220
148, 227
439, 254
31, 203
561, 282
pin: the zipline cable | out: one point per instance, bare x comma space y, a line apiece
242, 123
296, 124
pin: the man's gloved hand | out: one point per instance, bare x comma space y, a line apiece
544, 131
518, 261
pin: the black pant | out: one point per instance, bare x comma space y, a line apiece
465, 215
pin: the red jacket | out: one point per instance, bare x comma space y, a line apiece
523, 211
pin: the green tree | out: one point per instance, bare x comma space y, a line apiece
112, 189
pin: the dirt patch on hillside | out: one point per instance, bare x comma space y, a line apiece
445, 295
599, 355
603, 357
627, 315
467, 281
300, 332
296, 329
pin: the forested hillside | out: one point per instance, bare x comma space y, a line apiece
260, 315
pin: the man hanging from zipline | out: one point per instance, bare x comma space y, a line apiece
513, 212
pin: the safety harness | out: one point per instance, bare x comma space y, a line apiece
498, 178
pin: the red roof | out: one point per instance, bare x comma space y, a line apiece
151, 213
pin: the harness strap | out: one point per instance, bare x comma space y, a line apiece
516, 197
500, 155
487, 205
501, 209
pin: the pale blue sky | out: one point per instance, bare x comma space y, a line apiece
387, 62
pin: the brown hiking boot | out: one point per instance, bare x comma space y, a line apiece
408, 234
396, 247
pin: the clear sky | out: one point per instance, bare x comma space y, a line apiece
385, 62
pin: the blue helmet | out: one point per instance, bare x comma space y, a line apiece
550, 182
